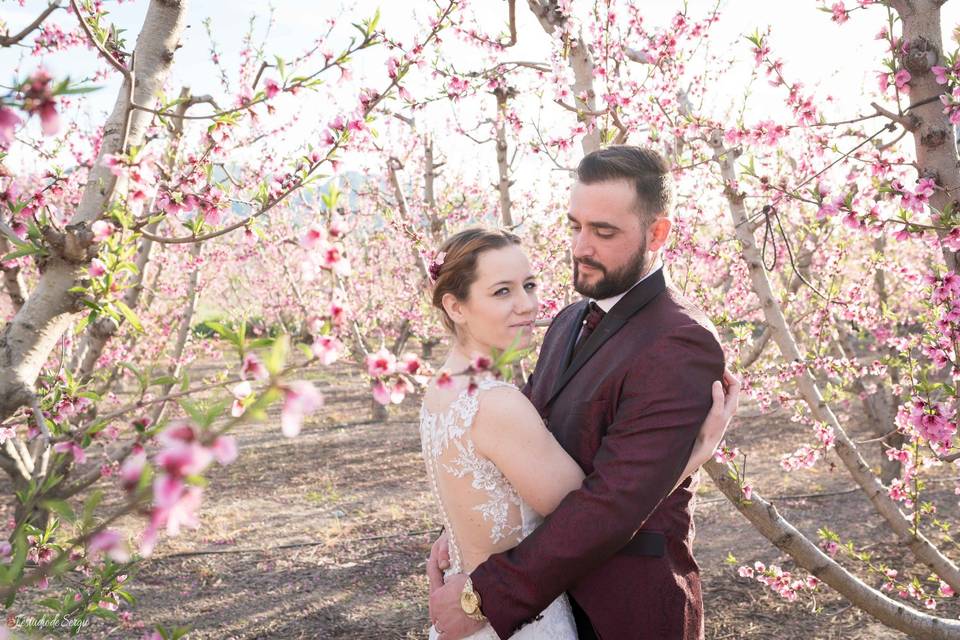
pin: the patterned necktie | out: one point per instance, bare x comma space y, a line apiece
594, 316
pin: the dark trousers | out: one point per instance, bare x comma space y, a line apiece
584, 628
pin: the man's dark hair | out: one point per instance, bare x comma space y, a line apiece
642, 167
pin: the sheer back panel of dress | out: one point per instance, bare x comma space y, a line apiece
481, 510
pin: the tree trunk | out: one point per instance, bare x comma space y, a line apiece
12, 281
29, 338
582, 64
183, 332
98, 333
782, 335
933, 138
765, 518
503, 166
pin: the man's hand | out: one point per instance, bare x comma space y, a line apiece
438, 561
448, 618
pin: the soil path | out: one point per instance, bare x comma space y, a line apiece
325, 536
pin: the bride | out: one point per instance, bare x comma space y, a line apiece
493, 466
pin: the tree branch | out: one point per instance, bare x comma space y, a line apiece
9, 41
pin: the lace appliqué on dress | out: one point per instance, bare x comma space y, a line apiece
449, 451
448, 428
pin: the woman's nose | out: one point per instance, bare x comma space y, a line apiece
525, 304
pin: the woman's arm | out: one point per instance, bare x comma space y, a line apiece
713, 428
509, 432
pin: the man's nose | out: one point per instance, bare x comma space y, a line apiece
581, 245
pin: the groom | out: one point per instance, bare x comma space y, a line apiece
623, 382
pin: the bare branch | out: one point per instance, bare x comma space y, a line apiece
909, 123
9, 41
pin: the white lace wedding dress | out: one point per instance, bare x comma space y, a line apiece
481, 511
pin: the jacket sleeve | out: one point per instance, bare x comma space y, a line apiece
662, 405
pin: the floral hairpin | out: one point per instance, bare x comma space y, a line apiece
435, 266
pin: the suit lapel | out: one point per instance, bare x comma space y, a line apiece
627, 307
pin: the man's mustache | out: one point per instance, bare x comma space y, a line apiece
590, 263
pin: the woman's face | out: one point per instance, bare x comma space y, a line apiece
502, 303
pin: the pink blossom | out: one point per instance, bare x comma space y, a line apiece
392, 67
901, 79
8, 124
184, 459
940, 74
327, 349
747, 492
97, 268
381, 363
444, 380
839, 13
183, 511
313, 237
240, 393
49, 118
337, 312
71, 447
224, 449
300, 398
253, 367
101, 230
271, 87
167, 490
399, 390
411, 363
381, 393
932, 422
481, 363
110, 541
132, 469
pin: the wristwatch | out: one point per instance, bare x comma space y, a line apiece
470, 602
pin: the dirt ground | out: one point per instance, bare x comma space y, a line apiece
325, 536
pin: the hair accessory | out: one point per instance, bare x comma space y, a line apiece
435, 266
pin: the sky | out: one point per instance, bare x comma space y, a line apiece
831, 57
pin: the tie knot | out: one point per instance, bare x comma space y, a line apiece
594, 316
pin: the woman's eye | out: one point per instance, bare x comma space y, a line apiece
500, 292
530, 286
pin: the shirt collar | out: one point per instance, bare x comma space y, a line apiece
607, 303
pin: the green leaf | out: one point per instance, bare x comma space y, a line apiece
90, 505
129, 315
61, 508
76, 90
278, 354
50, 603
195, 413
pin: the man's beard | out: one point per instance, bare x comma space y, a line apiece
611, 283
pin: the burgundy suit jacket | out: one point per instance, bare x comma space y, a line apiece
628, 409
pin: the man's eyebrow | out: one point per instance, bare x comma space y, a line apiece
596, 225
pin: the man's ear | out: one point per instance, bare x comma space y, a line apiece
657, 233
453, 307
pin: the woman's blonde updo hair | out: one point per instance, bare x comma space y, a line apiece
458, 269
